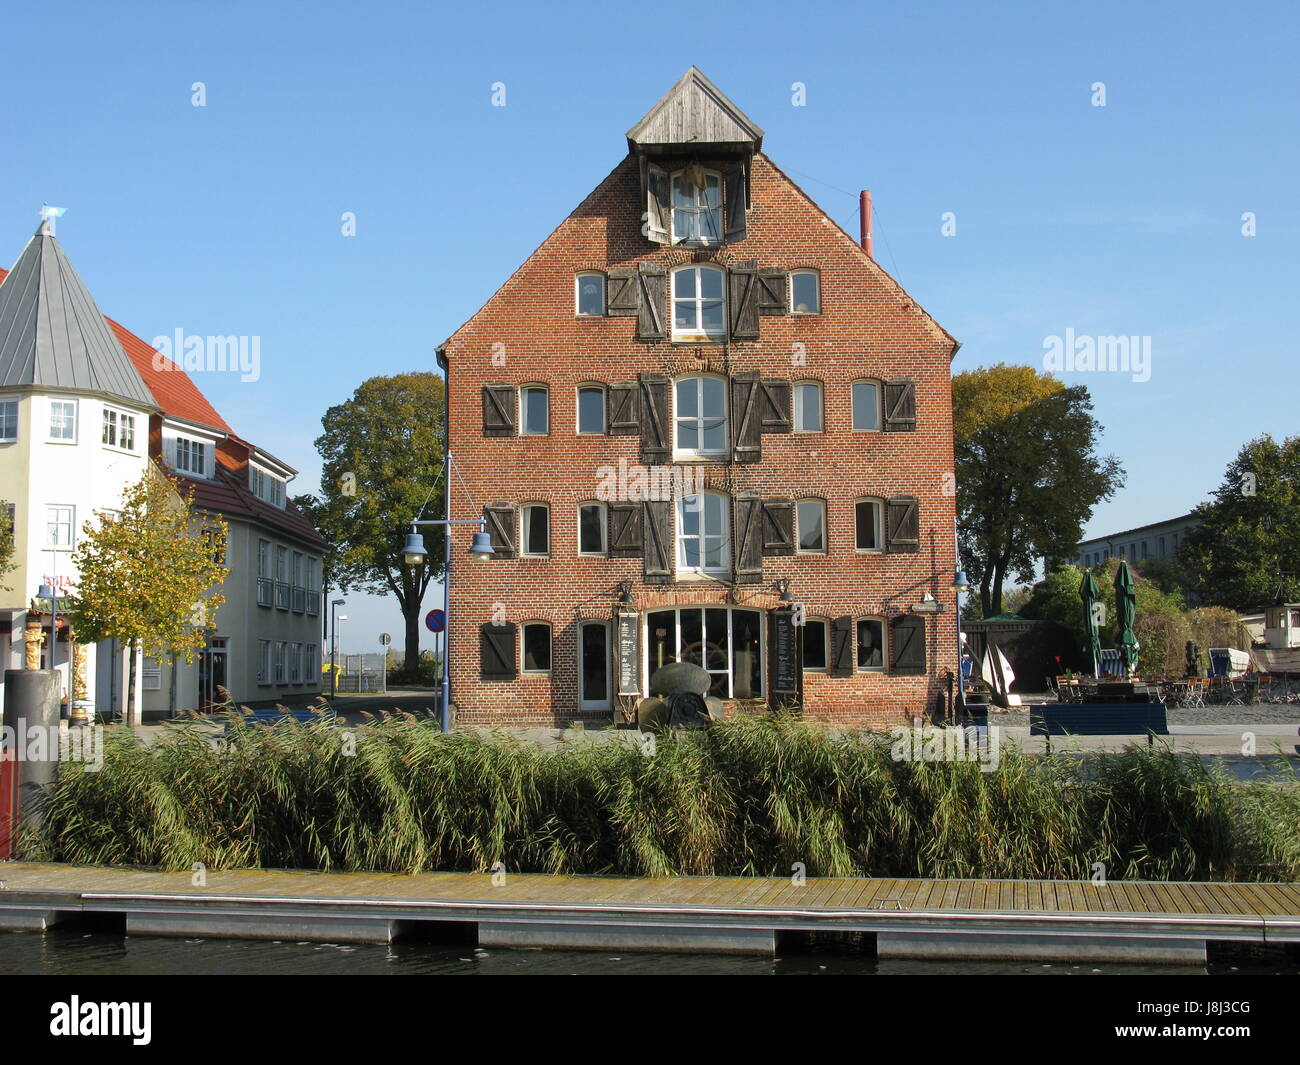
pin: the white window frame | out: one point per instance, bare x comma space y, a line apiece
699, 419
17, 408
71, 524
853, 406
577, 294
817, 281
599, 703
523, 531
798, 532
523, 648
265, 666
884, 644
281, 661
797, 411
76, 418
604, 529
697, 332
120, 423
191, 444
295, 663
699, 209
677, 610
266, 486
590, 386
826, 645
680, 537
880, 525
523, 416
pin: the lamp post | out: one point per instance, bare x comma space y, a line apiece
334, 645
414, 553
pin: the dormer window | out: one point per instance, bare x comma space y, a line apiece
191, 456
699, 311
697, 206
266, 486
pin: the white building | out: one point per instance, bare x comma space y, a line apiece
1160, 540
84, 407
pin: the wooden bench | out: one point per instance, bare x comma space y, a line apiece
1098, 719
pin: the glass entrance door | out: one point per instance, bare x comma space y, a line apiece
593, 665
212, 673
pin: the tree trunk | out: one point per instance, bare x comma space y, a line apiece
412, 615
130, 717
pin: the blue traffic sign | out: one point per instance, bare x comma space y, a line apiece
436, 620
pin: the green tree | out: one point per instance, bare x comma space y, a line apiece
383, 453
1246, 550
1028, 472
6, 542
149, 574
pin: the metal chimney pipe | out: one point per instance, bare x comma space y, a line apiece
864, 209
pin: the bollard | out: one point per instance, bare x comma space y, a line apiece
31, 741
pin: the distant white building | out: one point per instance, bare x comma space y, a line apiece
1159, 540
85, 406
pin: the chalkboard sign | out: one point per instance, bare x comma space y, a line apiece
785, 653
629, 654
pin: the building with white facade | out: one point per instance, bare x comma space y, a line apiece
1159, 540
85, 406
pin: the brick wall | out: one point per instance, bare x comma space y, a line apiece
868, 328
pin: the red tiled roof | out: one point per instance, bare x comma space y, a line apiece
171, 386
228, 493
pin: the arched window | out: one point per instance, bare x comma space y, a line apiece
697, 206
699, 303
537, 647
810, 526
591, 410
866, 406
591, 528
808, 407
700, 417
589, 295
535, 529
816, 645
868, 515
703, 533
534, 411
871, 644
805, 292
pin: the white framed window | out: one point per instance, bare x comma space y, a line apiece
728, 642
700, 417
536, 640
591, 410
868, 520
8, 420
816, 640
703, 533
805, 292
534, 411
118, 429
295, 663
313, 585
264, 662
699, 303
594, 674
265, 577
589, 295
60, 525
808, 407
191, 456
266, 486
282, 577
299, 576
697, 206
866, 406
810, 526
591, 529
871, 644
535, 529
63, 420
281, 661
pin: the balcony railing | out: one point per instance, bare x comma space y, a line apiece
299, 600
282, 595
265, 591
313, 602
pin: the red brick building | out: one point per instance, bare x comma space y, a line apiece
698, 415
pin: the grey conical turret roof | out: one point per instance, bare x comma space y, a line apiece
52, 335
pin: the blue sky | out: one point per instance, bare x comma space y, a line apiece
1117, 220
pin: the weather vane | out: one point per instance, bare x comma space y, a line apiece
50, 214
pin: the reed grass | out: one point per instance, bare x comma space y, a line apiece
752, 796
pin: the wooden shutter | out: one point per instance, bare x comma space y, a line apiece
496, 651
773, 286
658, 209
655, 440
778, 527
746, 428
744, 301
624, 539
734, 202
622, 412
840, 661
902, 524
774, 405
499, 410
652, 284
907, 645
658, 526
747, 537
900, 406
621, 294
501, 525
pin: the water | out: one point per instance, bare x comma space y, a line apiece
70, 952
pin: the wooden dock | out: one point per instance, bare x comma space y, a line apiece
1038, 919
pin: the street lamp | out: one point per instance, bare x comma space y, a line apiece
334, 645
414, 553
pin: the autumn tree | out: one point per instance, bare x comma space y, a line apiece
383, 453
6, 542
1028, 472
1246, 550
149, 574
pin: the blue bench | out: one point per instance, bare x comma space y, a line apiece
1098, 719
273, 715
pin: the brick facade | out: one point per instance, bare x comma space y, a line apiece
867, 328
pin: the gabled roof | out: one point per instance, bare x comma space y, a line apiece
52, 335
228, 494
695, 112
